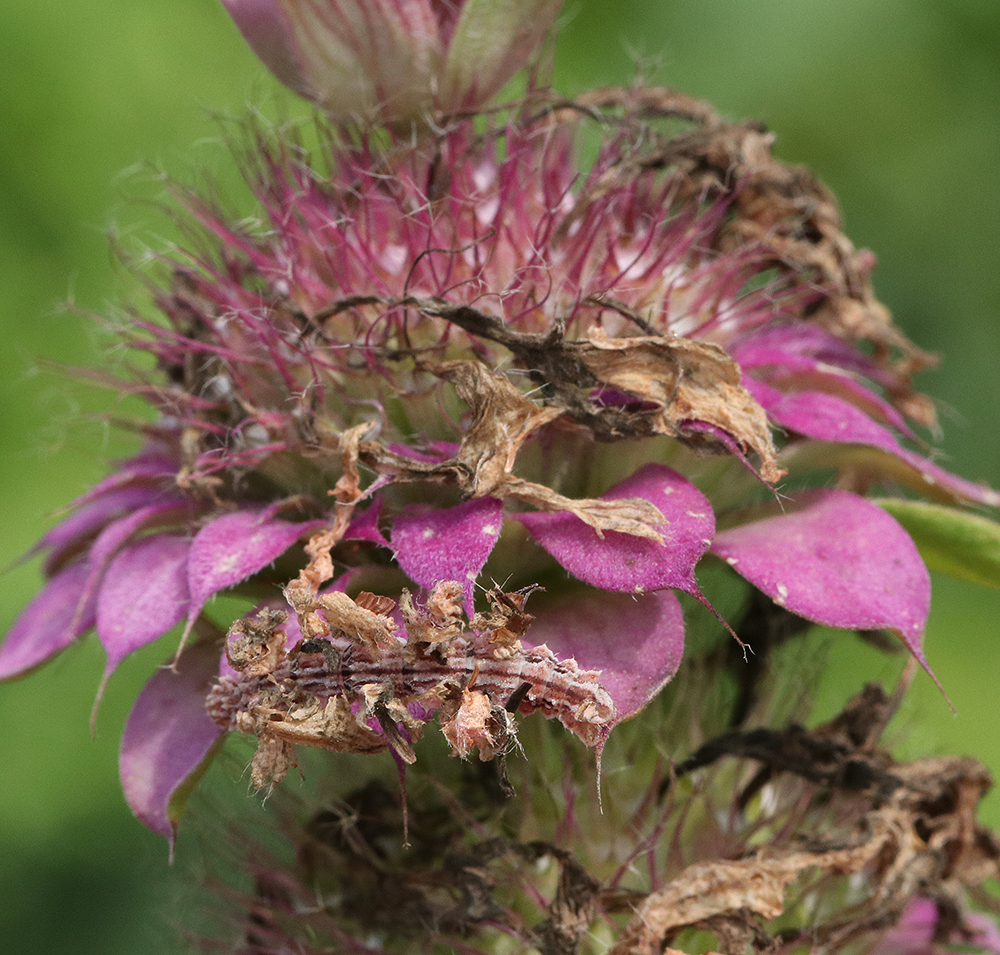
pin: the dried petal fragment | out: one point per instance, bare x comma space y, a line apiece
373, 629
707, 889
689, 381
502, 420
632, 516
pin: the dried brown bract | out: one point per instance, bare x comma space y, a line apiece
910, 831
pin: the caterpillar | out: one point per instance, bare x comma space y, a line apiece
351, 686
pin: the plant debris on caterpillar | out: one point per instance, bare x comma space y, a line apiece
359, 688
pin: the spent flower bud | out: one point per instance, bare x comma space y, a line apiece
399, 60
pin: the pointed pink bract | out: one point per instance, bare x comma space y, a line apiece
628, 564
453, 543
826, 417
52, 621
838, 560
233, 547
636, 642
167, 737
145, 592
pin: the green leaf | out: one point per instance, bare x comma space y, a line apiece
955, 542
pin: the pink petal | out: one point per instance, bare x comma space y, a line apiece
364, 525
229, 549
266, 30
68, 536
780, 344
914, 933
839, 560
636, 642
144, 593
167, 737
986, 932
829, 418
793, 373
630, 564
453, 543
117, 534
151, 469
52, 621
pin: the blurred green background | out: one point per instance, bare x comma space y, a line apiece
894, 103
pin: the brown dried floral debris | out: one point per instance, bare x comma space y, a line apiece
784, 210
501, 419
841, 754
923, 841
706, 890
674, 380
915, 834
351, 618
689, 381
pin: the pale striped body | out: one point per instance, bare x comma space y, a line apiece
433, 679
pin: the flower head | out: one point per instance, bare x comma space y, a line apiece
395, 59
467, 358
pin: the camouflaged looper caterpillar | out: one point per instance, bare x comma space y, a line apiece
361, 690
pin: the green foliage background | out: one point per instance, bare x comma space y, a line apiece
894, 104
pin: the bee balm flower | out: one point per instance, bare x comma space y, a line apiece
470, 428
395, 59
496, 362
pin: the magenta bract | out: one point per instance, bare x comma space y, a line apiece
51, 622
448, 543
836, 559
145, 593
628, 564
167, 738
233, 547
636, 642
